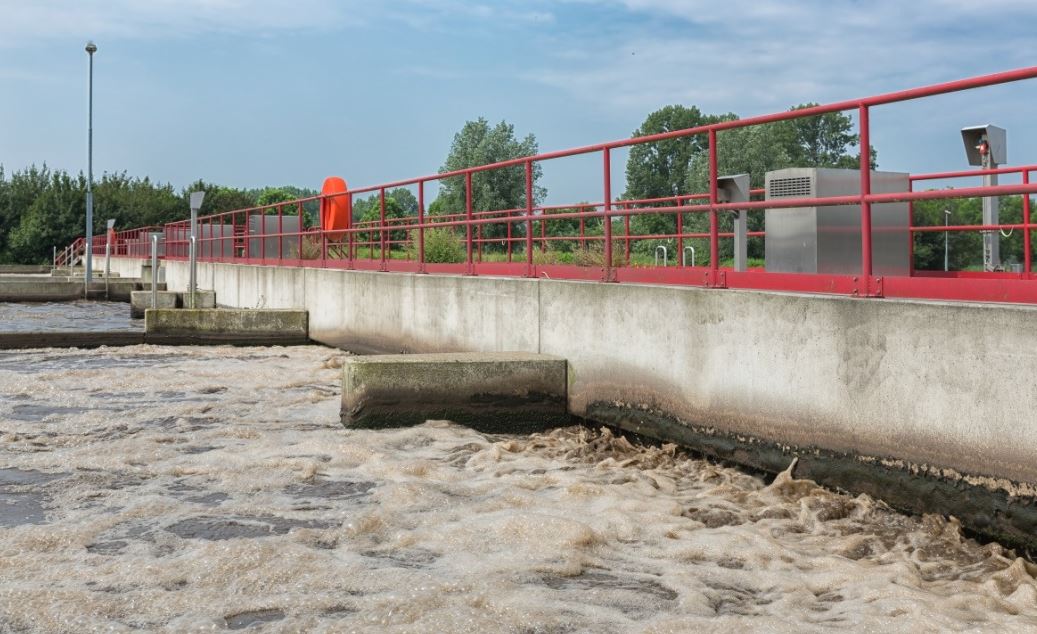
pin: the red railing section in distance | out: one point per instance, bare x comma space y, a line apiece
596, 235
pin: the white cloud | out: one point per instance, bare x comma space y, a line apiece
760, 56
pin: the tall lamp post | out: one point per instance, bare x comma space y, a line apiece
91, 48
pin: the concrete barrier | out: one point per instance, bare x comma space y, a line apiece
225, 326
496, 393
68, 339
25, 269
141, 301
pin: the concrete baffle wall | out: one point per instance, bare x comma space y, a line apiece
225, 326
495, 392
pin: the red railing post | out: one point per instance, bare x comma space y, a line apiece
529, 219
609, 274
714, 238
469, 265
280, 234
421, 226
865, 145
383, 234
1027, 255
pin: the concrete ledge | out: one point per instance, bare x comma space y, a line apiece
44, 290
226, 326
29, 269
141, 301
491, 392
23, 340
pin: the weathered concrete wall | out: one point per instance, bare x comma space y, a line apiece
936, 388
503, 392
239, 327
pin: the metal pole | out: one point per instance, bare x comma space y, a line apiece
421, 226
714, 194
192, 284
469, 265
107, 266
606, 168
946, 241
154, 271
991, 205
90, 49
865, 137
529, 219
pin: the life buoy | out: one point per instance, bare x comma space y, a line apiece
336, 211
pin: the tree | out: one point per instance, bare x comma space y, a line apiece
495, 190
659, 169
824, 140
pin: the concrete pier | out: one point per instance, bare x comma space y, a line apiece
183, 326
141, 300
496, 393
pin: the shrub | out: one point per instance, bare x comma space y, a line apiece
442, 246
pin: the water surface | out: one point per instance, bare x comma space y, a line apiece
212, 488
58, 316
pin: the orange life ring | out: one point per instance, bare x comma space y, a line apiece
336, 211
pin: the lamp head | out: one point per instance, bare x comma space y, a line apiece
91, 48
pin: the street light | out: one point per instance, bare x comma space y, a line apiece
946, 240
91, 48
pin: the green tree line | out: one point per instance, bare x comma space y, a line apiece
41, 208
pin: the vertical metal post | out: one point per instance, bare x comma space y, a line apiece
741, 240
54, 260
107, 265
421, 226
946, 240
469, 266
192, 285
991, 216
509, 217
714, 237
1027, 256
865, 140
609, 273
529, 219
89, 263
154, 271
382, 234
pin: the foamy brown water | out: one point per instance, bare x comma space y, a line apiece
199, 489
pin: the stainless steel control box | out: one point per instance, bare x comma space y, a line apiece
827, 239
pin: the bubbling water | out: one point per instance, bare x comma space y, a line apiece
211, 488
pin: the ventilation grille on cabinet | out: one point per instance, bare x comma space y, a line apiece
794, 187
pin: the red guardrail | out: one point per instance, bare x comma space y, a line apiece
274, 234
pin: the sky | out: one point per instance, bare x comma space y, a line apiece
262, 92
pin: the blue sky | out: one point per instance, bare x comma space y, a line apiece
266, 93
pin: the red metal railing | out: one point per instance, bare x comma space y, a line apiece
275, 234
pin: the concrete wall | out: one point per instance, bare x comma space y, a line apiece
925, 383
